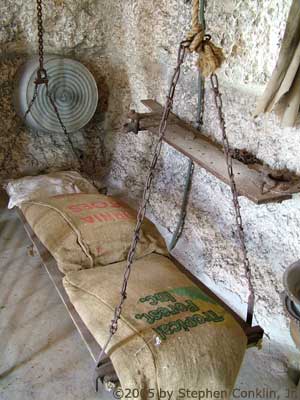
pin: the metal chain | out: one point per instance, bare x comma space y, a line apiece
41, 69
146, 196
63, 127
237, 208
35, 95
147, 192
42, 77
41, 73
40, 33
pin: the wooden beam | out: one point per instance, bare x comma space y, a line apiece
208, 155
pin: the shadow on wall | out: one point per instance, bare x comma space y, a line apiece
115, 99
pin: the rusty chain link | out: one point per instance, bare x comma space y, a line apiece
40, 32
35, 95
42, 77
236, 204
145, 199
147, 192
63, 127
41, 72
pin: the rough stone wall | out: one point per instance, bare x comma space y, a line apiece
131, 46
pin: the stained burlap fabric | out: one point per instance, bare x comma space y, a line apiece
171, 336
87, 230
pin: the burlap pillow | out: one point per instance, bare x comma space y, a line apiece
172, 336
86, 230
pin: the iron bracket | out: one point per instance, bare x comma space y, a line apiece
105, 374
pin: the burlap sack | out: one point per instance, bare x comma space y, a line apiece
86, 230
172, 336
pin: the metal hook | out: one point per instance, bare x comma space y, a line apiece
42, 77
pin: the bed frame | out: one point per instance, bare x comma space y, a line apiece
106, 373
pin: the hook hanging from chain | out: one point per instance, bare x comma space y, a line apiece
42, 77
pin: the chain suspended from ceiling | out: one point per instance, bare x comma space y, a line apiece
210, 57
42, 78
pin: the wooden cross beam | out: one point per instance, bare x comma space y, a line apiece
208, 155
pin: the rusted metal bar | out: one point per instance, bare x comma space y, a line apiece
144, 121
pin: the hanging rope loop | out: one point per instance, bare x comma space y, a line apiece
195, 37
210, 57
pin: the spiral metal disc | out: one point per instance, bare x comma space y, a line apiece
74, 91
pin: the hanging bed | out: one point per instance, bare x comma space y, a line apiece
174, 332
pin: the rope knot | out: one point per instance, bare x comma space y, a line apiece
210, 56
195, 37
